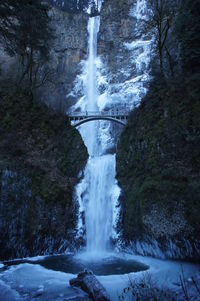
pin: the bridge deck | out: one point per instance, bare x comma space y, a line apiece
98, 114
119, 116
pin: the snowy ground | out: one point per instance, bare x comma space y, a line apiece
33, 282
165, 274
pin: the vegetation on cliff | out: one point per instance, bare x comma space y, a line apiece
158, 158
41, 155
37, 139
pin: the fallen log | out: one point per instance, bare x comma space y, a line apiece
88, 282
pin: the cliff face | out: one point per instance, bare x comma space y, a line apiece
117, 27
125, 51
158, 157
41, 157
158, 170
69, 47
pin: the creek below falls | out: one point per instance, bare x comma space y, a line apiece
110, 265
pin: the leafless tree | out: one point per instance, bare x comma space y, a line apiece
161, 20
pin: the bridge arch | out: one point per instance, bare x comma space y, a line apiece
88, 119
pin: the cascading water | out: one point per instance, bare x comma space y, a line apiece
98, 192
98, 202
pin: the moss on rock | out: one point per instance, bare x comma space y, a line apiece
41, 156
158, 165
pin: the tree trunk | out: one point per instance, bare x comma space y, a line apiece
171, 66
31, 68
88, 283
161, 58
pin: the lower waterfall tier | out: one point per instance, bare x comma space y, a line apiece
97, 195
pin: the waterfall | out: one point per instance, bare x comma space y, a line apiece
98, 191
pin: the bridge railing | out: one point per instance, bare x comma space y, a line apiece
109, 113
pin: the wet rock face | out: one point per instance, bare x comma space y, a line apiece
121, 22
117, 27
70, 44
69, 47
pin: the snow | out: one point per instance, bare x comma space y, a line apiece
36, 258
28, 281
31, 280
166, 275
136, 44
140, 10
7, 293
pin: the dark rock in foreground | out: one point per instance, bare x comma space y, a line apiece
87, 282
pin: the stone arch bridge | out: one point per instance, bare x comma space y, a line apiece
118, 116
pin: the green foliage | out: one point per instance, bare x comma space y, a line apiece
162, 160
42, 144
43, 155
